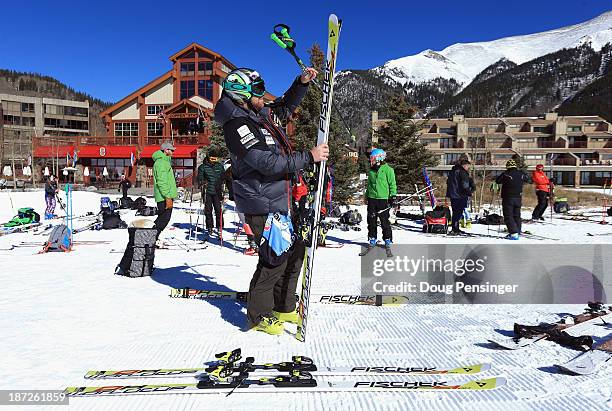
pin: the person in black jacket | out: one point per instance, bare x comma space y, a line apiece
210, 179
264, 166
512, 181
124, 185
50, 191
459, 189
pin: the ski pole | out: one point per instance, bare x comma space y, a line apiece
283, 39
421, 191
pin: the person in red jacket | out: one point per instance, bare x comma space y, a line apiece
542, 186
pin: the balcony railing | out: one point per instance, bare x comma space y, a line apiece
78, 141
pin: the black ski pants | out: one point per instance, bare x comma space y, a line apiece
511, 208
457, 206
538, 211
374, 206
212, 201
163, 217
272, 287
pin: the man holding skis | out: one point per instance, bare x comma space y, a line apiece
264, 166
380, 195
512, 181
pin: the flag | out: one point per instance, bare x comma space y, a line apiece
132, 159
75, 157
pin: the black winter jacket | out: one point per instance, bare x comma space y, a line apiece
50, 188
263, 162
459, 183
512, 181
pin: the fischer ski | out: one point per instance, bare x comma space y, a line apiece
334, 26
300, 381
202, 372
375, 300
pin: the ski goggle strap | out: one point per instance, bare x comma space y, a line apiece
256, 88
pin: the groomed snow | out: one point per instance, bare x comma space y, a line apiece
66, 313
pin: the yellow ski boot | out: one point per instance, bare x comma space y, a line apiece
291, 317
270, 325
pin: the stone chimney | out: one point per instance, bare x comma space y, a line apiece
551, 116
457, 118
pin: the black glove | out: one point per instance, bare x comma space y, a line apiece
391, 201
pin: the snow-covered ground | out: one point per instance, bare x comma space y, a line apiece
66, 313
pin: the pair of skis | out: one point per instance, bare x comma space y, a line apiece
228, 375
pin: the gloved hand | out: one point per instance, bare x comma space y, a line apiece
169, 202
391, 201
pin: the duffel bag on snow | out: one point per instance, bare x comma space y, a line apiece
126, 203
435, 222
351, 217
561, 206
25, 215
147, 211
491, 219
139, 254
59, 239
139, 203
111, 221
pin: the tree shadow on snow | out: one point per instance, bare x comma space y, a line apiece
186, 276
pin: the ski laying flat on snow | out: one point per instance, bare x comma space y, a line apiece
376, 300
589, 362
201, 373
269, 385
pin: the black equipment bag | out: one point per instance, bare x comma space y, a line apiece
126, 203
491, 219
139, 203
147, 211
139, 254
351, 217
561, 206
112, 220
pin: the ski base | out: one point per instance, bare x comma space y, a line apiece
586, 363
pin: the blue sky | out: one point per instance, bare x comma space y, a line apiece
109, 49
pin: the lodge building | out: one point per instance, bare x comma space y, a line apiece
580, 146
177, 106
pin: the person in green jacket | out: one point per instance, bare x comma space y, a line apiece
164, 185
210, 178
381, 193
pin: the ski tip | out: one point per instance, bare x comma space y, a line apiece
484, 384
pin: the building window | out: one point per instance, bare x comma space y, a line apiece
27, 107
533, 157
75, 111
53, 109
204, 66
64, 123
126, 129
447, 143
187, 88
187, 69
28, 121
154, 110
154, 129
12, 120
525, 140
475, 129
205, 89
541, 129
11, 106
451, 158
574, 129
446, 130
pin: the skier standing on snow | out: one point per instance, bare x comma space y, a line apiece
264, 166
164, 185
459, 189
512, 181
124, 185
542, 192
380, 195
210, 178
50, 191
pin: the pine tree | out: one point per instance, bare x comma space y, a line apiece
344, 169
405, 153
217, 147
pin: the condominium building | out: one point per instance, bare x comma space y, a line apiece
579, 148
23, 117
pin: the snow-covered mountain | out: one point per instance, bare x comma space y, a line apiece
464, 61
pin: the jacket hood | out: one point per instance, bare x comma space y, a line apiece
227, 110
158, 155
458, 167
